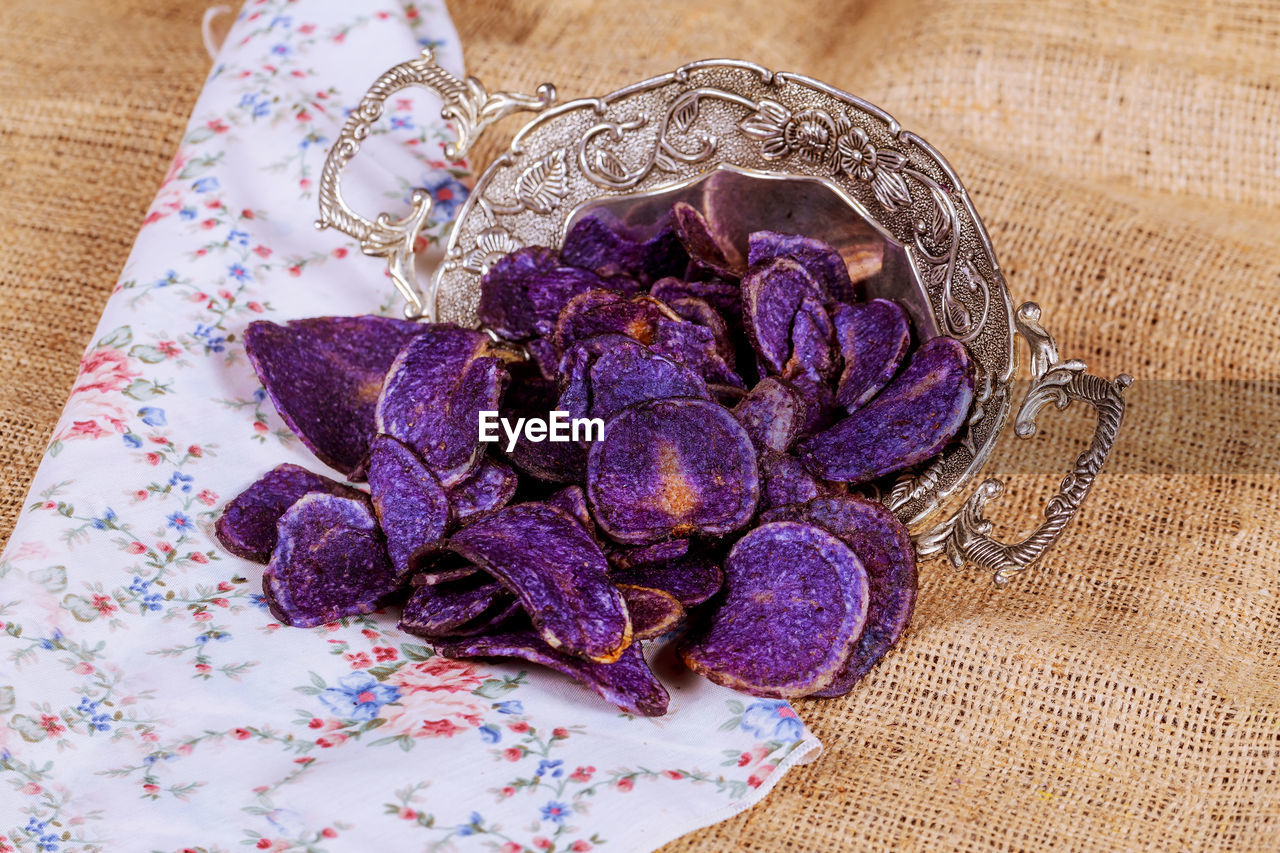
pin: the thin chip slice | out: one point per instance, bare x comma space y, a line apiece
490, 486
653, 611
820, 409
699, 311
247, 526
724, 296
522, 294
594, 314
694, 345
672, 468
453, 609
649, 555
706, 248
573, 500
884, 547
626, 682
874, 338
633, 374
605, 246
324, 374
822, 261
411, 506
330, 563
771, 295
785, 480
795, 602
813, 344
558, 573
911, 420
693, 579
772, 413
548, 461
433, 396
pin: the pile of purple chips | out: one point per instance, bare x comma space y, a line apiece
743, 400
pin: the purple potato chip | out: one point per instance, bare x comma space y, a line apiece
772, 414
699, 311
692, 579
548, 461
784, 480
626, 682
649, 555
813, 344
593, 315
820, 409
437, 565
490, 486
602, 244
411, 506
545, 355
884, 547
822, 261
573, 500
247, 526
558, 573
633, 374
724, 296
695, 346
795, 602
706, 248
771, 295
451, 609
433, 396
324, 375
669, 468
726, 395
523, 293
653, 611
874, 338
911, 420
330, 563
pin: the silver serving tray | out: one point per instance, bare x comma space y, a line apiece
760, 149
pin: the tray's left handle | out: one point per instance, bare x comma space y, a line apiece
966, 536
471, 109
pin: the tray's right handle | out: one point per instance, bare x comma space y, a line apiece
965, 537
471, 109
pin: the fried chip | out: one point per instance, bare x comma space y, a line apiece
648, 555
822, 261
324, 375
771, 295
523, 293
772, 414
653, 611
694, 345
548, 461
813, 344
795, 602
706, 248
247, 526
558, 573
700, 312
626, 682
411, 506
911, 420
490, 486
605, 246
884, 547
635, 373
692, 579
724, 296
434, 393
874, 338
784, 480
669, 468
330, 563
573, 500
603, 313
457, 608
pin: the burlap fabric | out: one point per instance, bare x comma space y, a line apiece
1126, 158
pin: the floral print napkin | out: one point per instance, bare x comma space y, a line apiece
148, 700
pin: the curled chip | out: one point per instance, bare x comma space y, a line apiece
411, 506
784, 480
247, 526
813, 344
545, 356
558, 573
884, 547
605, 246
771, 295
873, 338
820, 409
329, 563
324, 374
648, 555
522, 294
573, 500
772, 414
695, 346
454, 609
490, 486
692, 579
596, 314
908, 422
706, 248
636, 373
795, 602
672, 468
653, 612
823, 262
724, 296
626, 682
700, 312
433, 396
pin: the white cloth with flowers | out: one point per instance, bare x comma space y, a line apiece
148, 699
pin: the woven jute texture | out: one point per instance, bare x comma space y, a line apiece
1124, 695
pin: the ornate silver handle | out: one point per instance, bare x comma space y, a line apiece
965, 537
471, 109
